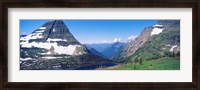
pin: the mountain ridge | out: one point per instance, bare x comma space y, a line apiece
163, 43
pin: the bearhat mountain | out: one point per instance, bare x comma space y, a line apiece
52, 45
54, 34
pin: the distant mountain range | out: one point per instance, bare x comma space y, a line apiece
112, 50
100, 47
108, 50
95, 52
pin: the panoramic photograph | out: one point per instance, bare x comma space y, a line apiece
99, 44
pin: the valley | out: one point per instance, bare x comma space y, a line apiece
166, 63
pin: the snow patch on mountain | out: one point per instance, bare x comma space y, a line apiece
36, 36
25, 59
172, 48
40, 31
69, 50
55, 39
45, 45
42, 27
157, 29
54, 30
51, 57
32, 36
26, 37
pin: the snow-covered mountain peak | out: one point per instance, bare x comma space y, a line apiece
157, 29
53, 34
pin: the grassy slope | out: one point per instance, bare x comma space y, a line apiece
159, 64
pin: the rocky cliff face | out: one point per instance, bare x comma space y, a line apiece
138, 42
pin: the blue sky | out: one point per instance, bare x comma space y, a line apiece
95, 31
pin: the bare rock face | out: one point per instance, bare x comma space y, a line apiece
80, 50
138, 42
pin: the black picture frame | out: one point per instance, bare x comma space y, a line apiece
194, 4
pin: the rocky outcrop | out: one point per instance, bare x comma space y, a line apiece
138, 42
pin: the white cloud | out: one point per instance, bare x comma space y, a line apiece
104, 41
131, 38
117, 40
98, 42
